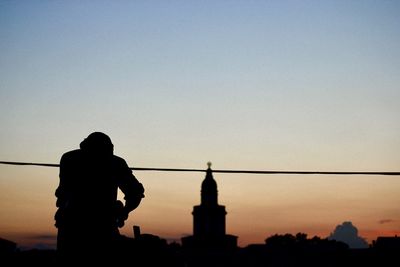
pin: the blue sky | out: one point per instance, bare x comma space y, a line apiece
245, 84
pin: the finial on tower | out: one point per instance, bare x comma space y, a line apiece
209, 164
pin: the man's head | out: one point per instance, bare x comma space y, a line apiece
97, 143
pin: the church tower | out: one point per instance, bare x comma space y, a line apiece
209, 219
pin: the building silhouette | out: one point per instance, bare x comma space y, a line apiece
387, 243
209, 220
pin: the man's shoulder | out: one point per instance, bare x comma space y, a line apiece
72, 154
119, 160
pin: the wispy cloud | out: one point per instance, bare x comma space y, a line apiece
386, 221
43, 237
38, 241
185, 234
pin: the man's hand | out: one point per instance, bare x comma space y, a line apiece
123, 216
120, 214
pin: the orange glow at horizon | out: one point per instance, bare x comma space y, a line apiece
257, 207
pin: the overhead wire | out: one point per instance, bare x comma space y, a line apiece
226, 171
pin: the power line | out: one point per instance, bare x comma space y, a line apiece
28, 163
225, 171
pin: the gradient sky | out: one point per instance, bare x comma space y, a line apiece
294, 85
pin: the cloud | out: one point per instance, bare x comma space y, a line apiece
45, 246
348, 233
39, 241
186, 234
44, 237
173, 240
42, 246
386, 221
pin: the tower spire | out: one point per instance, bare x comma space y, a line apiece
209, 191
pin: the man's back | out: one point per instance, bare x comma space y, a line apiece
89, 185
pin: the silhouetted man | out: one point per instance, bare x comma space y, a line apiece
89, 214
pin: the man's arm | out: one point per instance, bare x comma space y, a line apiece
133, 190
61, 191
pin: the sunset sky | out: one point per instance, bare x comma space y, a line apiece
258, 85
